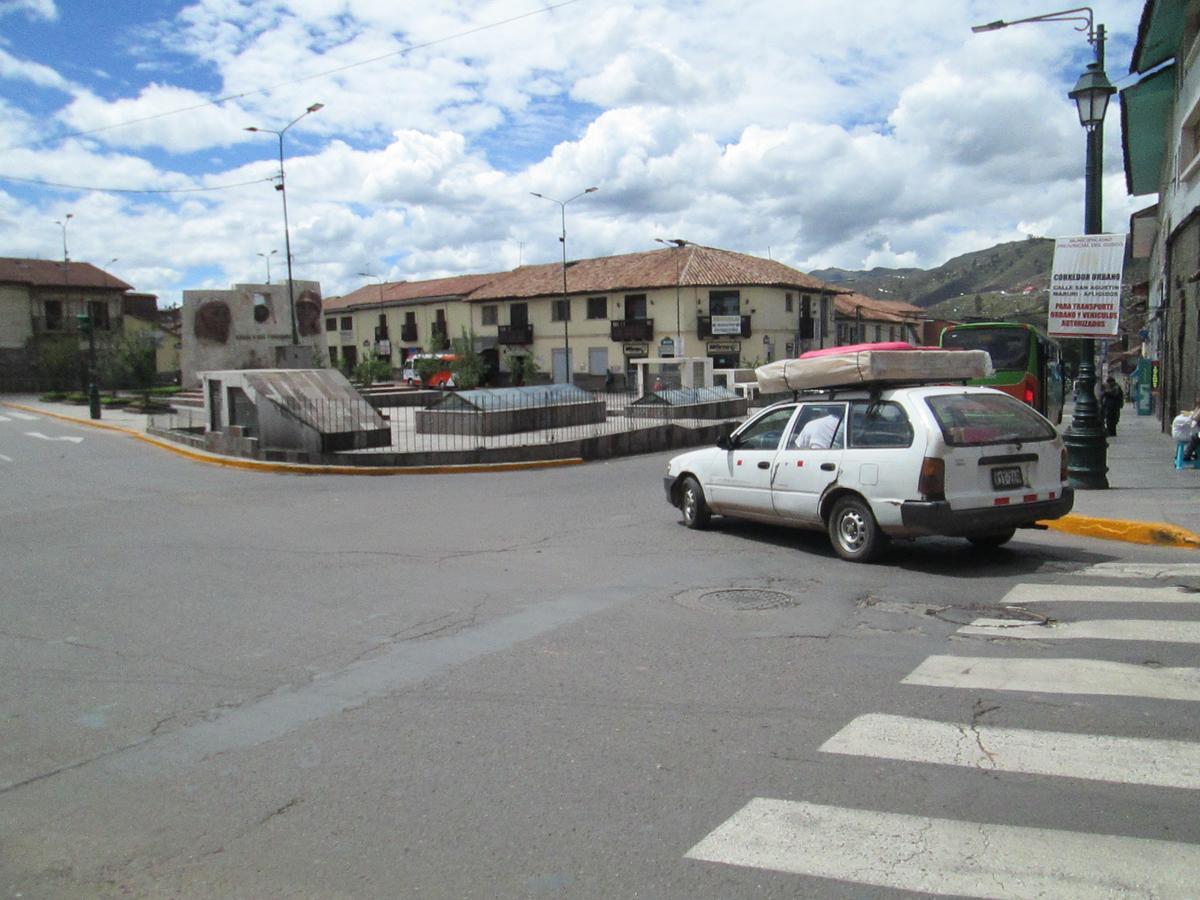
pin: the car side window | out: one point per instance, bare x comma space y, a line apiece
819, 427
765, 433
881, 423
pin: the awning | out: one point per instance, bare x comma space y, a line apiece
1159, 34
1143, 231
1145, 116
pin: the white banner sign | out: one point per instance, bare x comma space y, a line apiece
1085, 289
726, 324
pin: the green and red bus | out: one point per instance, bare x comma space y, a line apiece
1027, 363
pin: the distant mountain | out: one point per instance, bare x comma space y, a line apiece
1016, 269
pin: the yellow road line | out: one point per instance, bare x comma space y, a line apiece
254, 465
1158, 534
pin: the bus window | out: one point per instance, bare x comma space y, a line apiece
1027, 363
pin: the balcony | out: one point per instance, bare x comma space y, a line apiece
515, 334
632, 330
408, 333
704, 327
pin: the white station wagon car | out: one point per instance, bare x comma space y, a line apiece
868, 465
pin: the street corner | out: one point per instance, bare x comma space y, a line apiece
1157, 534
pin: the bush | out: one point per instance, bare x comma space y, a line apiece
522, 367
372, 369
469, 367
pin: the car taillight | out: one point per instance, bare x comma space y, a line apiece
1029, 395
932, 483
1062, 466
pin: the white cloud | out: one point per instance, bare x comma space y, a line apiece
33, 9
873, 138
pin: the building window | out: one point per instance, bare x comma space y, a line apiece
331, 323
333, 356
488, 315
788, 305
597, 307
635, 307
54, 315
724, 303
518, 315
347, 323
98, 310
560, 311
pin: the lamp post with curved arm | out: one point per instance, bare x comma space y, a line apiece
267, 257
1087, 447
678, 244
566, 310
282, 188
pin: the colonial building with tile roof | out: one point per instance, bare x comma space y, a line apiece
862, 319
684, 300
39, 300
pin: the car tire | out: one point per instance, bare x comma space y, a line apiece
995, 539
853, 531
696, 513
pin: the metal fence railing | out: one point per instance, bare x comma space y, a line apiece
458, 422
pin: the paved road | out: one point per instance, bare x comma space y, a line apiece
221, 683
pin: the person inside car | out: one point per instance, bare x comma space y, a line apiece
818, 433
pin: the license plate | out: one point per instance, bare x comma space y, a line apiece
1007, 478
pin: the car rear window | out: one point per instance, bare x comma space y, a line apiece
973, 420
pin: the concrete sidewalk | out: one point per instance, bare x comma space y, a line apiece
1145, 489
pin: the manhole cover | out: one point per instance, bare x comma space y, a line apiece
744, 600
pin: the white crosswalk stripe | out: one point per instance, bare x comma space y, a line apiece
944, 856
1025, 594
4, 458
5, 419
23, 417
1003, 860
1141, 570
71, 438
1094, 629
1094, 757
1057, 676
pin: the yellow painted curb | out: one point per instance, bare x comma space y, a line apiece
254, 465
1158, 534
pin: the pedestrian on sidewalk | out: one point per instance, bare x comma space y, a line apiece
1187, 427
1112, 398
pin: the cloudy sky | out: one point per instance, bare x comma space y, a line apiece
817, 132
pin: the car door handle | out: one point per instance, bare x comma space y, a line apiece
764, 465
828, 467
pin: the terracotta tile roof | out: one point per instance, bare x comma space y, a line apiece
690, 265
49, 273
878, 310
402, 292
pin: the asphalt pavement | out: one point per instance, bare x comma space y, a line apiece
1148, 501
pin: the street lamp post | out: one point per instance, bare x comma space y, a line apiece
84, 320
566, 310
282, 188
679, 244
267, 257
1087, 447
380, 280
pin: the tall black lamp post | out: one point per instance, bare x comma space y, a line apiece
282, 188
1087, 447
566, 309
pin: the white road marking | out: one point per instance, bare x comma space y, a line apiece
1024, 594
1142, 570
1096, 757
5, 458
24, 417
38, 434
944, 856
1166, 632
1058, 676
5, 419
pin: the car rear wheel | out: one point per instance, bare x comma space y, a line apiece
696, 513
995, 539
854, 532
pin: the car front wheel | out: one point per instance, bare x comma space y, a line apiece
854, 532
696, 513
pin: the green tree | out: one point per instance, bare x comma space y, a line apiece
372, 369
58, 361
468, 366
522, 367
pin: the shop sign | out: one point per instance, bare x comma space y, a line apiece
724, 347
636, 349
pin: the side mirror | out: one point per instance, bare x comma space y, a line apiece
725, 442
